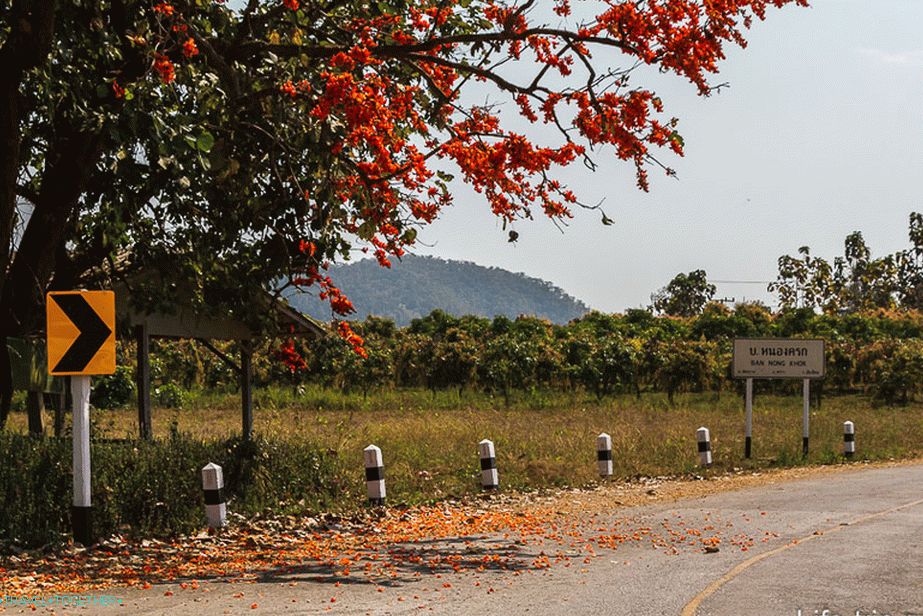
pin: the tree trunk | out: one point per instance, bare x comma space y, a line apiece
6, 382
59, 407
26, 46
9, 170
35, 408
72, 158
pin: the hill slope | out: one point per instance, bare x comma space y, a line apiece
416, 285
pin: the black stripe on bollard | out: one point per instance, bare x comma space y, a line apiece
375, 473
804, 446
214, 497
488, 463
704, 446
747, 446
82, 522
849, 438
603, 455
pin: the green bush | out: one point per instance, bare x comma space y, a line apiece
897, 377
36, 489
114, 390
153, 489
170, 395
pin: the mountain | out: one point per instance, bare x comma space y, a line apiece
415, 286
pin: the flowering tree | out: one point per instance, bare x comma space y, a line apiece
224, 146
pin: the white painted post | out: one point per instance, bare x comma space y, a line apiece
82, 510
748, 420
806, 420
213, 486
604, 454
703, 437
849, 439
490, 479
374, 475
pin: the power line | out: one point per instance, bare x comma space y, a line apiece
742, 281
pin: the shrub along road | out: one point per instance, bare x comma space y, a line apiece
843, 538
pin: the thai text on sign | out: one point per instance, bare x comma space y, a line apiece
778, 358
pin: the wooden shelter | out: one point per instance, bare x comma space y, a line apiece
186, 323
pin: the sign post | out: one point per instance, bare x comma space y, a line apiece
81, 342
778, 358
81, 512
748, 420
806, 417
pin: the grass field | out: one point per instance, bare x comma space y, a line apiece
429, 441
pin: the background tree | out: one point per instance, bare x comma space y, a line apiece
909, 265
685, 295
611, 364
856, 282
218, 147
806, 282
866, 283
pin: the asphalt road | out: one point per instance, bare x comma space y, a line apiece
848, 543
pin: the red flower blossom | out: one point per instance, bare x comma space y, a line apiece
189, 48
308, 248
164, 8
352, 339
289, 356
288, 88
165, 69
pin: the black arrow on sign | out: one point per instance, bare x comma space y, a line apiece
93, 333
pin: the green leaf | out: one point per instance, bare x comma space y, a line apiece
205, 141
366, 231
410, 235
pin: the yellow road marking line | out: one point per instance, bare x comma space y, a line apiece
709, 590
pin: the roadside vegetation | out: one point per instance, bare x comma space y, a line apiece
307, 457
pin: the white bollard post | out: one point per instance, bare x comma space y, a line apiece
849, 439
490, 480
374, 475
213, 486
703, 437
604, 454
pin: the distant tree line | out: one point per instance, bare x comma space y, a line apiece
878, 352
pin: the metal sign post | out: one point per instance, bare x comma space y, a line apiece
748, 420
806, 417
80, 327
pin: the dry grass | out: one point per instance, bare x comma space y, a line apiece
430, 442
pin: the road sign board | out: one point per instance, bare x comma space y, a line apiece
778, 358
81, 332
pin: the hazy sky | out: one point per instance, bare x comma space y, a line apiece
820, 134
